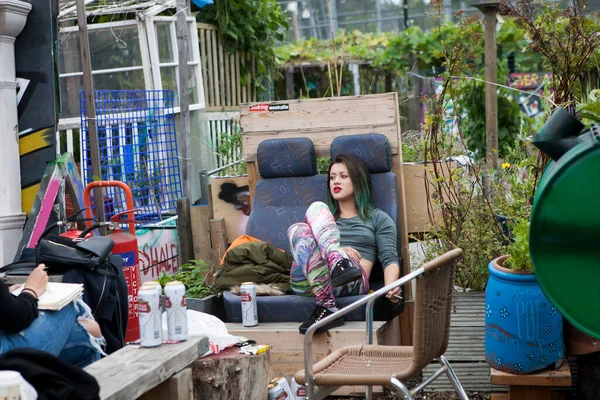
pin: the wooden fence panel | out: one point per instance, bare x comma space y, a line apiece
222, 72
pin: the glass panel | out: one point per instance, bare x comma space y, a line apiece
116, 48
192, 86
191, 41
68, 49
69, 96
165, 43
128, 80
168, 77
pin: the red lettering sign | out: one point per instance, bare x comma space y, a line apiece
259, 107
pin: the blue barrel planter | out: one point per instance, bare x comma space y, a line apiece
523, 330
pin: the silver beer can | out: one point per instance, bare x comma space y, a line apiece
299, 391
276, 392
150, 316
283, 383
249, 308
176, 305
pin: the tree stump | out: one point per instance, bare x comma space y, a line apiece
230, 375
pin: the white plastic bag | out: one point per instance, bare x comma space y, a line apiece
201, 324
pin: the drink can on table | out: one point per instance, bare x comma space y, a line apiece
176, 306
276, 392
150, 316
156, 285
249, 310
299, 391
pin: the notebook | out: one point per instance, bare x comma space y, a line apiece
57, 295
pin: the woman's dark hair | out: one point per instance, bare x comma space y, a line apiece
361, 181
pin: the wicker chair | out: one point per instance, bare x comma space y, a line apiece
387, 365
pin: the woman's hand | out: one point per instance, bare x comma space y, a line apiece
37, 280
391, 295
353, 253
12, 288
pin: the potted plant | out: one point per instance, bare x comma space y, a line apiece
523, 330
200, 296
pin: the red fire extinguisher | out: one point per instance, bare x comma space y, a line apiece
126, 246
73, 233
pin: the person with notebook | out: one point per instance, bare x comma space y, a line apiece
70, 333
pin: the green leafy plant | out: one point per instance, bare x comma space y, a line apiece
467, 220
230, 149
252, 27
518, 250
323, 164
589, 110
471, 107
192, 275
513, 185
413, 146
565, 36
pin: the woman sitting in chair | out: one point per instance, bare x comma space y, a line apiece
71, 333
335, 249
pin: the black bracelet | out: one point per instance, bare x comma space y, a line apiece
35, 295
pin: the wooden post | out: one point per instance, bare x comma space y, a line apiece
88, 86
184, 231
184, 102
289, 83
200, 218
219, 238
252, 178
489, 10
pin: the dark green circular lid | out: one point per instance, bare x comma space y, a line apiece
565, 235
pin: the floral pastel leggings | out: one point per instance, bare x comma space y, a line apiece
315, 246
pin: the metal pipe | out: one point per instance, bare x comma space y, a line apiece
429, 379
214, 171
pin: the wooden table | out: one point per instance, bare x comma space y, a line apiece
536, 386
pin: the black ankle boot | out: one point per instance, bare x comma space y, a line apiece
344, 272
317, 315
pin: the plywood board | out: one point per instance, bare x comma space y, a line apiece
231, 201
321, 119
417, 195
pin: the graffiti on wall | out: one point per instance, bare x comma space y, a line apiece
37, 96
231, 201
238, 196
157, 251
533, 83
